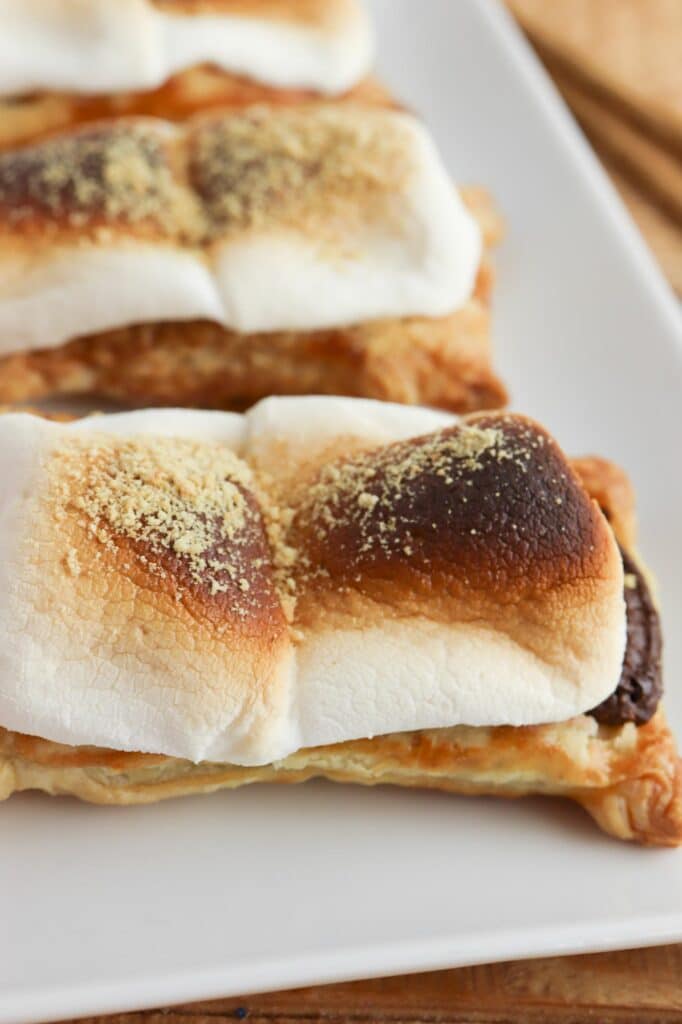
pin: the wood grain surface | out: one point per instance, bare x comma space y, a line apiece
638, 987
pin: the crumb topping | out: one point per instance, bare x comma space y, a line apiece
482, 495
167, 494
368, 488
303, 167
320, 169
481, 491
279, 519
111, 174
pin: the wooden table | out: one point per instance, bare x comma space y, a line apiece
639, 987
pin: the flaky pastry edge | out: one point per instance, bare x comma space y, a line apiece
628, 778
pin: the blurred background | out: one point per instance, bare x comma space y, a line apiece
618, 65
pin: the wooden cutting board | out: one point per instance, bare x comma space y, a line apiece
636, 987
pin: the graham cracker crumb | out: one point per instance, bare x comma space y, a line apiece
317, 168
169, 495
72, 563
325, 170
366, 489
100, 177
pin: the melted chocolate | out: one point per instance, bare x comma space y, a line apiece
639, 691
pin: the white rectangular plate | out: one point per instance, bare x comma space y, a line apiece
111, 909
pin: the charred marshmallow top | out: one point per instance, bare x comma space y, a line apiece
221, 587
271, 219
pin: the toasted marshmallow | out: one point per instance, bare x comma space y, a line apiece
96, 46
159, 594
302, 218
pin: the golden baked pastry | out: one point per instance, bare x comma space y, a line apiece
282, 250
627, 778
445, 363
170, 60
463, 574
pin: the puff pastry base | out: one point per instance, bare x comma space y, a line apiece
444, 362
628, 778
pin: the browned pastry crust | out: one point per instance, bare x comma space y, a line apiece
627, 777
445, 362
26, 119
612, 490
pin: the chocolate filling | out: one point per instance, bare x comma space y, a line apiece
636, 697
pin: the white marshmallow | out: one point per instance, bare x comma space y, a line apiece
421, 259
64, 678
100, 46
